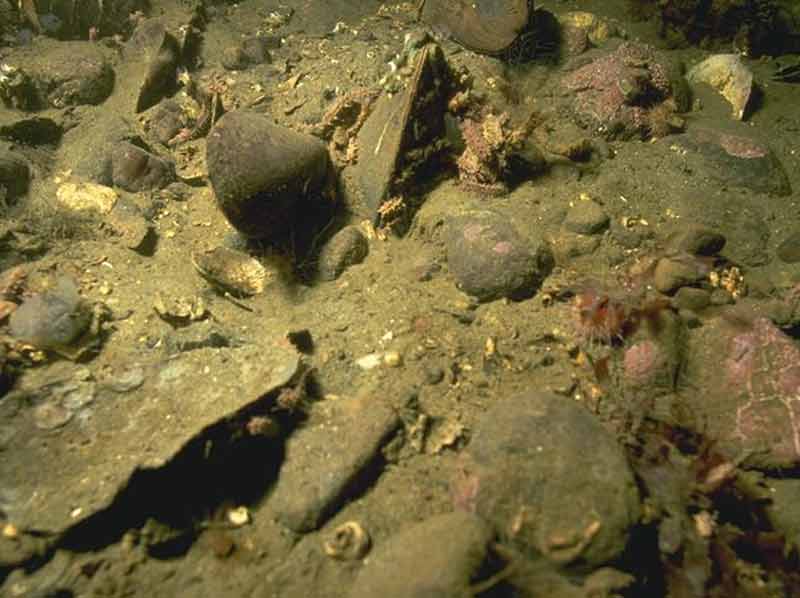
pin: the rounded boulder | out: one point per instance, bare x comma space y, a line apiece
543, 470
490, 259
262, 173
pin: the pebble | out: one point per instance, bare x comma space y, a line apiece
255, 50
78, 397
586, 218
692, 299
568, 246
52, 319
672, 274
165, 120
697, 240
346, 248
135, 169
51, 415
128, 380
370, 361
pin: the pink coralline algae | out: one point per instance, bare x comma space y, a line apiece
626, 93
643, 363
742, 147
762, 369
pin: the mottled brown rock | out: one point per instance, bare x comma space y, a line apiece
673, 273
490, 258
586, 218
135, 169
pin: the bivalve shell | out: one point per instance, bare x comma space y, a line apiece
232, 271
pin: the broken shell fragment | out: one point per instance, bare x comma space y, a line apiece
180, 311
231, 271
348, 542
727, 74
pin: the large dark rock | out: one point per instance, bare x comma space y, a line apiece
490, 259
551, 479
263, 174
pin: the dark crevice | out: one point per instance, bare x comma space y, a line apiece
226, 464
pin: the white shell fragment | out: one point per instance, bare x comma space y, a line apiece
232, 271
348, 542
239, 516
85, 196
727, 74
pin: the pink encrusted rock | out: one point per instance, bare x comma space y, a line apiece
629, 92
643, 363
748, 399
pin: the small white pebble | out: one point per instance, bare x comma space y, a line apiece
239, 516
392, 359
370, 361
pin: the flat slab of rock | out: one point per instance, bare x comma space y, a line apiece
326, 457
50, 482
